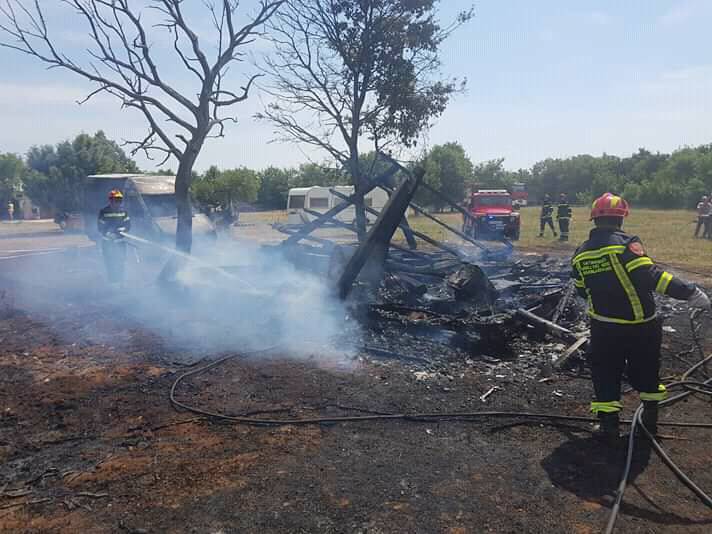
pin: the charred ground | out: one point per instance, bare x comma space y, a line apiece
90, 443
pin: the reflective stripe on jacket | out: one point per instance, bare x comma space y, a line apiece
612, 271
563, 211
111, 219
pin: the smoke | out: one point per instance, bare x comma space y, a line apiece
237, 297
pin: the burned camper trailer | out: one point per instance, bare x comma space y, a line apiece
151, 204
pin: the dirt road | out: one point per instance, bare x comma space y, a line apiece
90, 443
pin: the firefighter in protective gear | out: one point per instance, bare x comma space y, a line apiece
563, 217
613, 272
703, 217
113, 219
546, 216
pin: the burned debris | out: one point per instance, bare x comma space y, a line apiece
446, 299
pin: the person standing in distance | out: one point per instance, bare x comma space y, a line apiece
563, 217
546, 216
703, 214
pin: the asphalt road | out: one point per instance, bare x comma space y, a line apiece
32, 238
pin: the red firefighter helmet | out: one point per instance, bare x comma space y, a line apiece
609, 205
115, 194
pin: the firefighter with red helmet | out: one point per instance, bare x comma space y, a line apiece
613, 272
113, 220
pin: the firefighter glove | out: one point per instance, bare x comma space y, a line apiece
699, 300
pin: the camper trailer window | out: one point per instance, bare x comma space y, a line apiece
161, 205
318, 203
368, 201
296, 202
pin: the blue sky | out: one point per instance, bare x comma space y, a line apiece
546, 78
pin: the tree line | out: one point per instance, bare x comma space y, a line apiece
53, 176
655, 180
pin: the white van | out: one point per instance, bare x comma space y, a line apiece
321, 199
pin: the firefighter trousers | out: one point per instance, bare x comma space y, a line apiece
544, 222
633, 349
114, 253
564, 228
703, 223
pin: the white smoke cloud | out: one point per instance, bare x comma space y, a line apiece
259, 300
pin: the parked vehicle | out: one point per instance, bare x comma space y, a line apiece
69, 221
492, 215
150, 202
520, 195
321, 199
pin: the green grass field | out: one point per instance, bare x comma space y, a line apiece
666, 234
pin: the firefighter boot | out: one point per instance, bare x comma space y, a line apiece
650, 416
608, 429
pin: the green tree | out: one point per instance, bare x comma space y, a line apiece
448, 168
222, 189
60, 171
490, 175
12, 169
310, 174
274, 187
347, 72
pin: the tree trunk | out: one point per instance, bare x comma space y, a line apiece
356, 178
359, 205
184, 177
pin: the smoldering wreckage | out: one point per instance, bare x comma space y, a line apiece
477, 300
429, 309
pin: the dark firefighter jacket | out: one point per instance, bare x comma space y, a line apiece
563, 211
111, 219
612, 271
547, 210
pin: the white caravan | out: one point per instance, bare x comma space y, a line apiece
321, 199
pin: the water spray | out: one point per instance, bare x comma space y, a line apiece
182, 255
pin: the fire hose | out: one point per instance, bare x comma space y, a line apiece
690, 386
135, 241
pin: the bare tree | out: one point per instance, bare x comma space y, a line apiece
345, 70
121, 60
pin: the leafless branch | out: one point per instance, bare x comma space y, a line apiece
120, 61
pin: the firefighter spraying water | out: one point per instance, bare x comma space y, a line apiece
112, 221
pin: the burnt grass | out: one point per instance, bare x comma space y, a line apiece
90, 443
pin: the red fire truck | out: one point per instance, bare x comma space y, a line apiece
492, 215
520, 197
